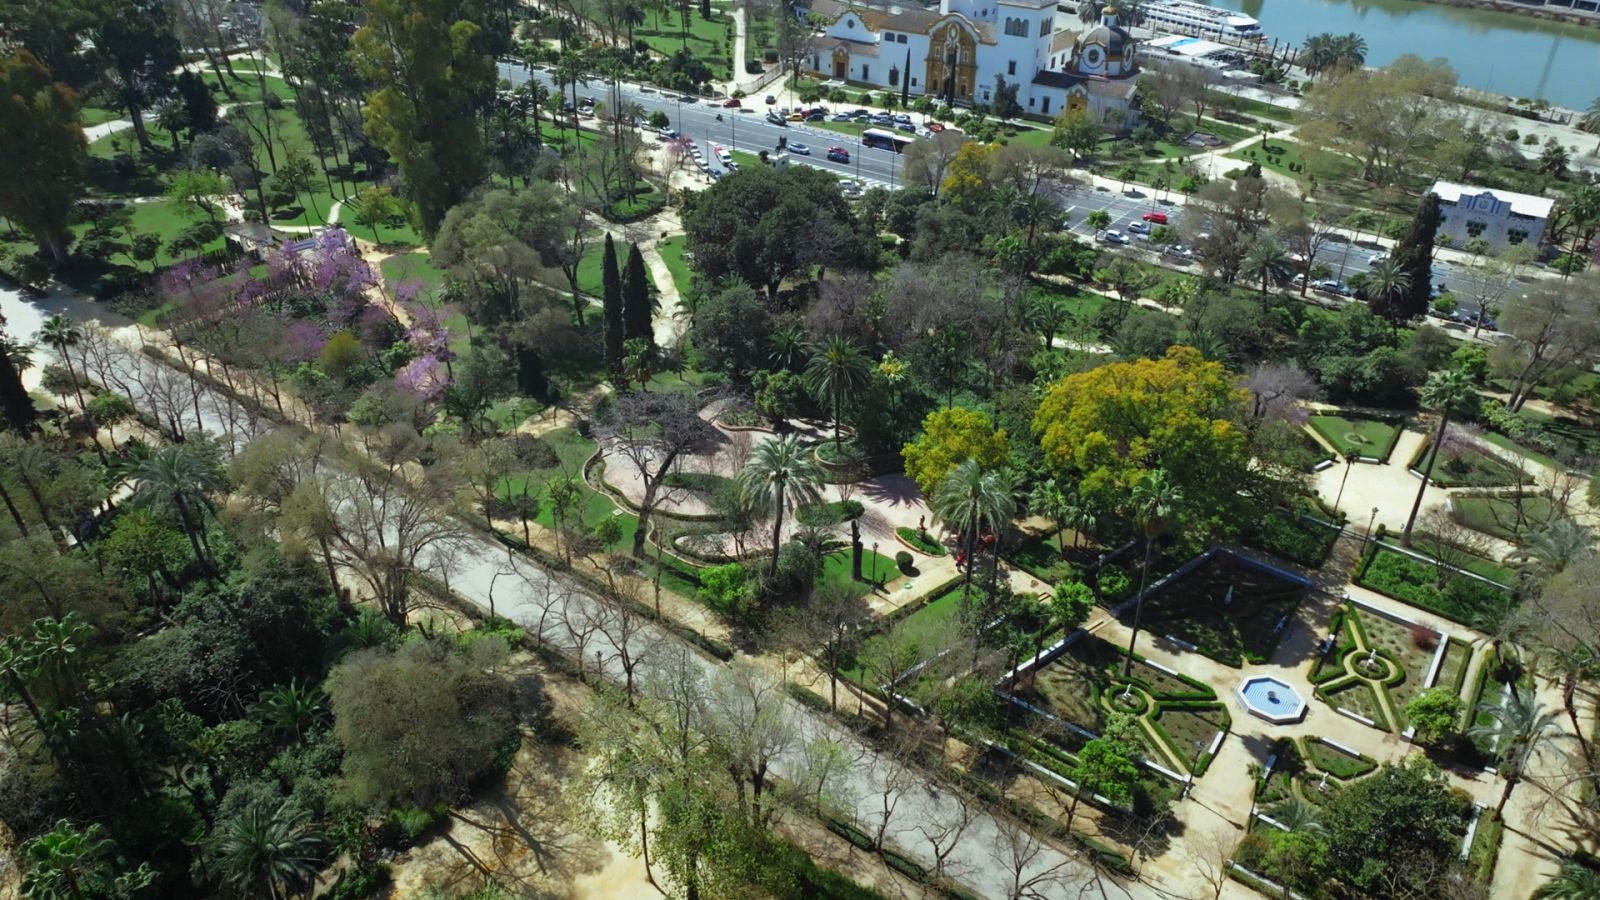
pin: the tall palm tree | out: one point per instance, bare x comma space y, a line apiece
1386, 284
1351, 455
969, 500
1575, 881
780, 474
1155, 507
1521, 726
1047, 499
1268, 263
1317, 53
269, 850
1445, 392
837, 370
61, 332
179, 479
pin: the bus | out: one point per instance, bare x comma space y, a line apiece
886, 140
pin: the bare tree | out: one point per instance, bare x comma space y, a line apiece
1207, 855
896, 776
650, 432
945, 834
927, 161
1277, 391
1030, 872
1551, 327
749, 722
621, 626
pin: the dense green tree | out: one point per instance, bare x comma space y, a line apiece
72, 863
17, 412
1107, 765
637, 303
43, 145
1414, 255
419, 724
432, 70
746, 227
781, 474
613, 320
1434, 713
372, 206
138, 50
731, 328
1397, 831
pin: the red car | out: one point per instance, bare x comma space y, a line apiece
733, 103
1160, 218
838, 154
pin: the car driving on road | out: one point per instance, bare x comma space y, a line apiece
801, 149
838, 154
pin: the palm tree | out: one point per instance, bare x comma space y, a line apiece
1048, 500
1552, 549
1520, 728
1575, 881
1268, 262
1445, 391
1155, 507
837, 369
780, 473
269, 849
1351, 455
179, 479
969, 500
292, 708
1298, 815
788, 347
61, 332
1590, 121
1317, 54
1385, 284
1349, 51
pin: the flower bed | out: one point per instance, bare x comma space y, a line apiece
1334, 761
1228, 607
1463, 462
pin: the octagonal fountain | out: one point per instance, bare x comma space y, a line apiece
1268, 698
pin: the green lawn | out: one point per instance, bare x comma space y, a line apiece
1256, 108
417, 266
672, 253
1504, 517
1461, 464
928, 626
99, 115
1505, 443
166, 219
1418, 583
708, 40
1290, 159
1372, 438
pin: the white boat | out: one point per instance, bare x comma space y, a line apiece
1183, 17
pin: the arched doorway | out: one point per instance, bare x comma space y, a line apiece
952, 64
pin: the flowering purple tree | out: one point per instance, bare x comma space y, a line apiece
424, 378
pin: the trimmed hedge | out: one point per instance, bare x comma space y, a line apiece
919, 541
1462, 599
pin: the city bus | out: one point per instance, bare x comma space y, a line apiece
886, 140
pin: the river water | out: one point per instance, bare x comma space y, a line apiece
1500, 52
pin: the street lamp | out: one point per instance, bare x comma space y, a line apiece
1367, 539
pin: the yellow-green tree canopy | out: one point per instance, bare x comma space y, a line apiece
1108, 427
949, 438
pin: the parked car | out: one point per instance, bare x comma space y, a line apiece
731, 103
1378, 258
840, 117
1139, 227
801, 149
796, 117
838, 154
902, 118
777, 120
1159, 218
816, 117
1111, 236
771, 99
907, 127
669, 134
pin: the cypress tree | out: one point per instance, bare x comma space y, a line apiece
611, 307
636, 298
17, 411
1414, 255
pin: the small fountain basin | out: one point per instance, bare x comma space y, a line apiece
1273, 700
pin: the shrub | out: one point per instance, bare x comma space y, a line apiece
1424, 638
533, 452
821, 515
902, 559
1114, 583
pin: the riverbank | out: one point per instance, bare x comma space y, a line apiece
1543, 13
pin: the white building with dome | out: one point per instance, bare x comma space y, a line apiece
961, 50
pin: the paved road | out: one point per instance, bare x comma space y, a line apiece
485, 573
746, 129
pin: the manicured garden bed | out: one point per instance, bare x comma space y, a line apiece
1371, 438
699, 482
1229, 608
1293, 537
1459, 598
919, 541
1334, 761
1463, 463
1043, 560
